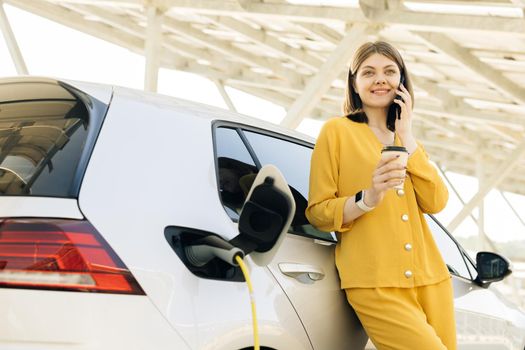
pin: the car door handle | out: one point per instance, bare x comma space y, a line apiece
303, 273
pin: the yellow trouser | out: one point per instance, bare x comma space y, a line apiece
419, 318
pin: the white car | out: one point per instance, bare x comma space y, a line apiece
104, 188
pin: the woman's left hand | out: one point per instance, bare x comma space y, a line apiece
404, 122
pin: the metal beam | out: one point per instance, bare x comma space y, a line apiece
448, 22
480, 175
463, 56
498, 176
444, 174
12, 45
224, 94
106, 17
153, 48
471, 115
512, 185
504, 133
512, 208
277, 98
445, 127
281, 99
127, 3
321, 14
238, 75
455, 103
249, 59
267, 42
454, 157
250, 78
460, 160
441, 22
321, 82
489, 241
322, 32
131, 28
74, 20
304, 13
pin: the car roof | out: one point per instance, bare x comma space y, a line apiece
103, 92
212, 113
40, 88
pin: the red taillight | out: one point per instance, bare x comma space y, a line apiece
60, 254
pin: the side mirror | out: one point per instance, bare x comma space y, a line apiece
491, 267
266, 216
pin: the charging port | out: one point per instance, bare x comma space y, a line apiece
212, 267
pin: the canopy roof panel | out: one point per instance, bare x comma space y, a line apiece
466, 59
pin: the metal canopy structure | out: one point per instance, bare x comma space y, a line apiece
467, 62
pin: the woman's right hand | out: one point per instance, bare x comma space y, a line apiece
386, 175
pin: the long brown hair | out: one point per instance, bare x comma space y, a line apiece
352, 106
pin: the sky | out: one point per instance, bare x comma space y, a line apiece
50, 49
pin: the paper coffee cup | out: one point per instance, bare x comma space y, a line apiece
402, 159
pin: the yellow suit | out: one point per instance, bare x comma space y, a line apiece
390, 246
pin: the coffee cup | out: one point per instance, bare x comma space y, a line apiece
402, 159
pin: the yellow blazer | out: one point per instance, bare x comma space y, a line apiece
390, 246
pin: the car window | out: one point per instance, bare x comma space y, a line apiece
230, 145
293, 160
235, 169
450, 251
42, 142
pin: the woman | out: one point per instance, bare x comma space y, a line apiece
389, 265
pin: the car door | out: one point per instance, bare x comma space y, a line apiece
304, 265
484, 318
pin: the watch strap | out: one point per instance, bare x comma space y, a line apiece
360, 201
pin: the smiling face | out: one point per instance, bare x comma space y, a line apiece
376, 81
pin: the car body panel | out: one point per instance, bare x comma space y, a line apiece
44, 207
483, 320
101, 92
143, 204
36, 319
321, 300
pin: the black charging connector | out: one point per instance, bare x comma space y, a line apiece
201, 251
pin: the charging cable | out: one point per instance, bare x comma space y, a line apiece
209, 247
246, 274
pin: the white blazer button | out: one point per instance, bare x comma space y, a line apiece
408, 273
408, 247
400, 192
404, 217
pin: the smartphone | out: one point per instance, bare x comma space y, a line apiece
398, 97
394, 111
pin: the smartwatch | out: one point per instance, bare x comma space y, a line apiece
360, 201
